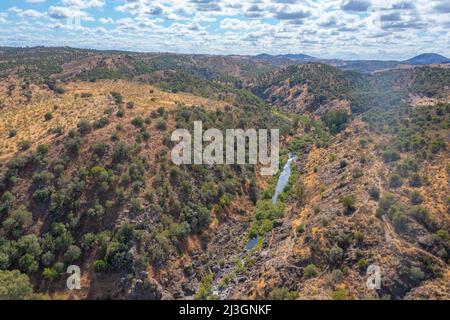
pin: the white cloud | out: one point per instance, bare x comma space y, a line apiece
357, 28
31, 14
83, 4
106, 20
61, 13
3, 16
237, 24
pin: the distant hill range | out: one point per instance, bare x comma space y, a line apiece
358, 65
294, 56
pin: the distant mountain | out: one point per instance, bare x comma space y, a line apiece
427, 58
298, 56
365, 66
293, 56
264, 55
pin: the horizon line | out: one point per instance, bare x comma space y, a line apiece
217, 55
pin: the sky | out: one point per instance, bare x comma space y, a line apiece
344, 29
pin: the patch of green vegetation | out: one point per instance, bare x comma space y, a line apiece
336, 120
283, 294
339, 295
204, 291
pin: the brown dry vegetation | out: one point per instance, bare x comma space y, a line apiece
69, 108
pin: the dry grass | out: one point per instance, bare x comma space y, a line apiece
69, 108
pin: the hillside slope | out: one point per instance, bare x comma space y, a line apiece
317, 88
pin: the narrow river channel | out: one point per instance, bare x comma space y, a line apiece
251, 243
283, 178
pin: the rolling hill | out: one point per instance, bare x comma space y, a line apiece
427, 58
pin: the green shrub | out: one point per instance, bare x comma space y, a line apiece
386, 201
310, 271
17, 221
120, 152
416, 275
73, 145
72, 254
415, 180
374, 193
421, 214
357, 173
335, 255
49, 274
6, 202
118, 99
205, 288
84, 127
58, 130
100, 148
96, 212
300, 228
135, 206
348, 202
161, 111
12, 133
399, 218
362, 263
42, 149
339, 295
266, 213
24, 145
161, 125
100, 123
138, 122
100, 266
283, 294
42, 178
299, 191
415, 197
391, 155
28, 263
336, 120
47, 258
336, 276
48, 116
59, 268
14, 286
154, 114
359, 237
42, 195
395, 181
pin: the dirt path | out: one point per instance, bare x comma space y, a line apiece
404, 246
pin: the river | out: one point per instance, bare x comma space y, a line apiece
251, 243
283, 178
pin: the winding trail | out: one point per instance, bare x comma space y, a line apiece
400, 243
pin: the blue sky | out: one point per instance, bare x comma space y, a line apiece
350, 29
